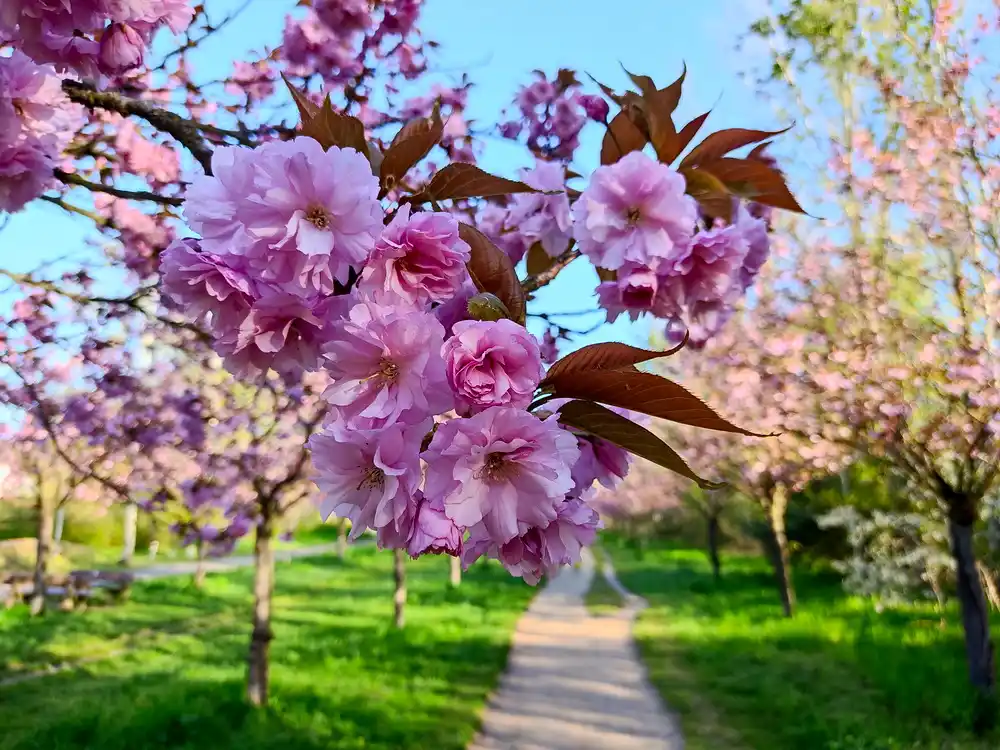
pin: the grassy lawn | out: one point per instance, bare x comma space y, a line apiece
837, 677
341, 676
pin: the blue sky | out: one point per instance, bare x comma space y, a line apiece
498, 44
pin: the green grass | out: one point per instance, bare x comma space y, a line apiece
342, 677
838, 676
601, 598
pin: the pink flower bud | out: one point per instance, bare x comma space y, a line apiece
122, 48
597, 109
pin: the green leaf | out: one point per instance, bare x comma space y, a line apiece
603, 423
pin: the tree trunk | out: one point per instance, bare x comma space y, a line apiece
713, 547
781, 557
399, 596
60, 524
263, 588
342, 539
975, 613
990, 585
131, 527
199, 571
42, 549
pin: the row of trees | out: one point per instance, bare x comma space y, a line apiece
872, 345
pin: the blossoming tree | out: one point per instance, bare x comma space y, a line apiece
341, 250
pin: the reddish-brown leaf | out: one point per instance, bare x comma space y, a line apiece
307, 108
412, 143
492, 271
644, 83
601, 422
622, 137
670, 97
643, 392
689, 131
608, 91
566, 78
758, 151
606, 274
721, 143
611, 355
332, 128
461, 180
710, 192
754, 180
539, 261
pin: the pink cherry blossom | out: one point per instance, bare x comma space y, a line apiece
634, 211
385, 364
418, 260
433, 532
25, 173
492, 363
600, 461
540, 217
279, 325
367, 476
710, 267
122, 48
203, 284
542, 550
503, 467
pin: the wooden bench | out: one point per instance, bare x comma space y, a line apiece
71, 590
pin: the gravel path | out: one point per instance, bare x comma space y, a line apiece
187, 568
574, 681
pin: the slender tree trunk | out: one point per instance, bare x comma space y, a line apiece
781, 557
975, 612
199, 571
455, 574
60, 524
42, 549
342, 539
399, 596
935, 585
713, 547
263, 588
990, 586
131, 527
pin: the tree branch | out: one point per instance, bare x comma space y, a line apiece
186, 132
532, 283
70, 178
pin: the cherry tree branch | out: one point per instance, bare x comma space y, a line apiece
70, 178
184, 131
533, 283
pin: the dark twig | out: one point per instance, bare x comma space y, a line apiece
186, 132
532, 283
98, 187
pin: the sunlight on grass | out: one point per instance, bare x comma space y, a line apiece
837, 677
342, 676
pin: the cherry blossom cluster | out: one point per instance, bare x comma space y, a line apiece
635, 219
90, 37
36, 121
551, 114
429, 441
334, 37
